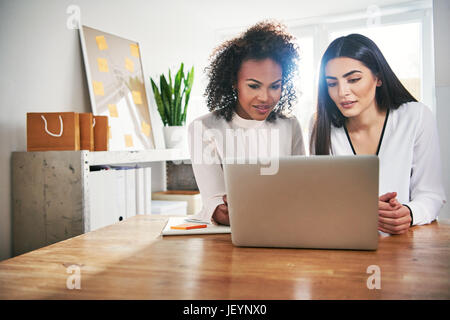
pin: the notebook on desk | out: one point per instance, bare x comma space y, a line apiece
174, 221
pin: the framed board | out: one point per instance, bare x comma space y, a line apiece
116, 87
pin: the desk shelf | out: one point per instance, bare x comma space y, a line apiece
125, 157
51, 190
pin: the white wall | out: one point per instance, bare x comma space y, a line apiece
441, 25
42, 67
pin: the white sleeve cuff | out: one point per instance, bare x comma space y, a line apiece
208, 209
419, 214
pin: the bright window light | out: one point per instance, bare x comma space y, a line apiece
306, 88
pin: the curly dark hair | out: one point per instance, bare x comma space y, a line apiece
267, 39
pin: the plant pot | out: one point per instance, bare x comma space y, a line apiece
175, 137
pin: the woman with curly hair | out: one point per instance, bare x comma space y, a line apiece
250, 95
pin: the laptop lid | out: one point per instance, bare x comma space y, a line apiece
327, 202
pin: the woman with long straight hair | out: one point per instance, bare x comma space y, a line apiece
364, 109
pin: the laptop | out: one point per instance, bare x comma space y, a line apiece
319, 202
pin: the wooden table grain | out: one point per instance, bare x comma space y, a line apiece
130, 260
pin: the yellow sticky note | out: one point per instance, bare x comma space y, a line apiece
102, 65
128, 140
113, 111
137, 97
101, 42
98, 88
129, 64
134, 50
145, 128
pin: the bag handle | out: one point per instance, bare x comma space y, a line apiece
53, 134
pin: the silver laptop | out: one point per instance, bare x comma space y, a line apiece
326, 202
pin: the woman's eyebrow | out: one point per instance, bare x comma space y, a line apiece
350, 73
250, 79
344, 75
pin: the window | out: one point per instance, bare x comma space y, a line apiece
307, 84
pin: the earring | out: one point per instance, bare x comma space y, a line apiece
234, 94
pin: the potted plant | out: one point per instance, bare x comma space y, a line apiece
172, 99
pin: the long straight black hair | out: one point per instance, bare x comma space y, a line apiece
390, 95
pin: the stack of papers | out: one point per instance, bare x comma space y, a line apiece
169, 207
210, 228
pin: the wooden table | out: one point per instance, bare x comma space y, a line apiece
130, 260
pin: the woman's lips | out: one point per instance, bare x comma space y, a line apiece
348, 104
263, 108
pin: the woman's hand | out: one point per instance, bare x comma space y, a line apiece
220, 215
393, 217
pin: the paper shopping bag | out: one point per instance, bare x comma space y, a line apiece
53, 131
101, 133
86, 131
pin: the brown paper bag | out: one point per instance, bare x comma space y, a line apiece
101, 133
86, 131
53, 131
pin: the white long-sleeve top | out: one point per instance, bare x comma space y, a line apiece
213, 140
410, 161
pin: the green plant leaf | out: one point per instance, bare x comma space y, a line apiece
166, 98
170, 82
159, 102
188, 87
179, 109
177, 95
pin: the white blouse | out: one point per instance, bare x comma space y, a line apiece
410, 161
212, 140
